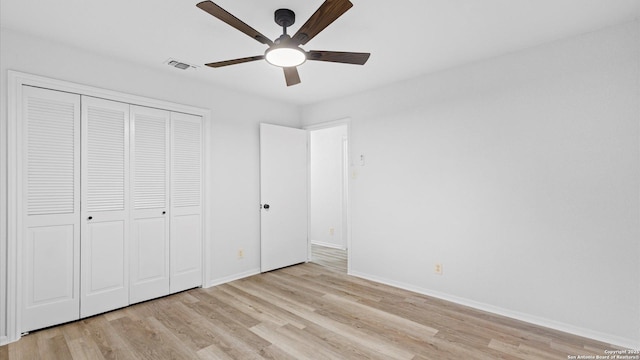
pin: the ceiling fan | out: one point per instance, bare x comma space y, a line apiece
285, 51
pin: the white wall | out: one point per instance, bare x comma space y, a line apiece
326, 183
235, 142
520, 174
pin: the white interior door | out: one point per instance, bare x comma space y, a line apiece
283, 196
105, 206
186, 202
50, 234
149, 146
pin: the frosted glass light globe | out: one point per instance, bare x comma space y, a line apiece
285, 56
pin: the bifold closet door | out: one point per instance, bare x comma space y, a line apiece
50, 207
186, 201
105, 206
149, 270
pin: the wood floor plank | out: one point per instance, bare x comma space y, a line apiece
312, 315
276, 336
215, 300
229, 336
82, 349
213, 352
385, 319
53, 347
331, 258
273, 352
149, 343
223, 345
327, 285
172, 340
268, 311
302, 312
352, 333
111, 343
177, 321
370, 330
26, 348
80, 345
348, 349
318, 344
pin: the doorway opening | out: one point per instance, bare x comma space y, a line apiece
328, 195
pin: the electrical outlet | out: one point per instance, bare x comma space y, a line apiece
331, 231
240, 253
438, 269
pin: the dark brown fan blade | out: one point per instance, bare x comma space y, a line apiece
327, 13
234, 61
291, 76
225, 16
339, 57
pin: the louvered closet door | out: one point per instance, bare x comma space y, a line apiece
105, 206
50, 234
149, 271
186, 202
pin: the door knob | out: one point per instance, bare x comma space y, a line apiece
90, 217
164, 212
266, 206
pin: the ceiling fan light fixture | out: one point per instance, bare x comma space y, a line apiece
285, 51
285, 56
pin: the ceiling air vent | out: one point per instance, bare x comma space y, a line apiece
179, 64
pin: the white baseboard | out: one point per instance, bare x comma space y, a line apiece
233, 277
4, 340
555, 325
329, 245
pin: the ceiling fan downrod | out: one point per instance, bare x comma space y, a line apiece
284, 18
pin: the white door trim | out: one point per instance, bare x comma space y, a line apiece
15, 82
346, 208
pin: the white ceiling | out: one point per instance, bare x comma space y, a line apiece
405, 37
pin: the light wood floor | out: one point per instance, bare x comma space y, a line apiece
331, 258
302, 312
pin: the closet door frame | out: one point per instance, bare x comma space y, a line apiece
16, 80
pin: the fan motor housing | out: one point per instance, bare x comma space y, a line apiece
285, 17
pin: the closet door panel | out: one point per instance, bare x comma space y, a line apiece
186, 201
51, 289
151, 253
149, 276
105, 206
104, 245
52, 280
186, 251
50, 209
